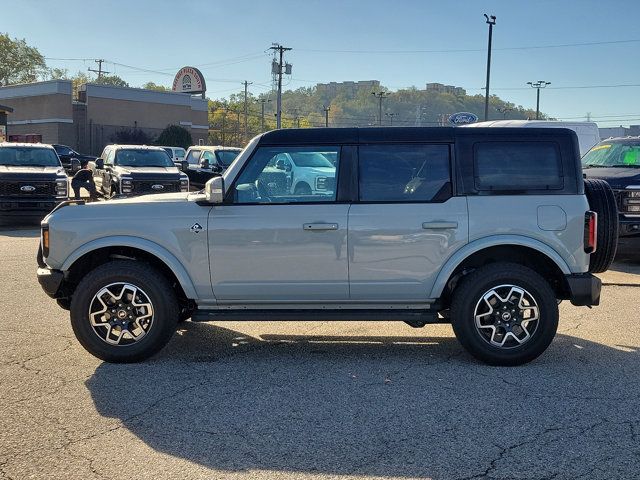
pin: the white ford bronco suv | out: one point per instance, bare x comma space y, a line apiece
487, 229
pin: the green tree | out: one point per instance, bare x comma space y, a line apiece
155, 86
175, 136
113, 80
19, 63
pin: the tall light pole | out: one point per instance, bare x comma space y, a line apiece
326, 109
380, 96
245, 132
262, 101
391, 115
504, 111
491, 20
538, 85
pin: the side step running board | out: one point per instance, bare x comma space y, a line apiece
412, 317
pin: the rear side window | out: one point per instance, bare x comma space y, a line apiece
517, 166
404, 173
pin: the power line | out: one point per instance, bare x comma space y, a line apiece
465, 50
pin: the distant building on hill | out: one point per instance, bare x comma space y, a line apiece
441, 88
332, 88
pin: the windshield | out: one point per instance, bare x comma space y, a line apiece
129, 157
310, 159
621, 155
28, 157
225, 157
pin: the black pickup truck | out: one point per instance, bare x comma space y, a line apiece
32, 181
66, 154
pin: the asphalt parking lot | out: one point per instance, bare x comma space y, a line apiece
315, 400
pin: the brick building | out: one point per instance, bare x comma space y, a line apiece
49, 112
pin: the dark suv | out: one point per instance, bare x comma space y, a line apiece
617, 160
32, 181
137, 170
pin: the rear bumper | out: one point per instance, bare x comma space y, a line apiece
584, 289
50, 281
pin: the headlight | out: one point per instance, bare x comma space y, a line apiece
321, 183
61, 187
184, 184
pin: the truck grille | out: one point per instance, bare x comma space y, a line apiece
146, 186
28, 189
626, 203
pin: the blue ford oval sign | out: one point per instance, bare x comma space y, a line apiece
462, 118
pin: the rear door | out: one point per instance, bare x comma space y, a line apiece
406, 222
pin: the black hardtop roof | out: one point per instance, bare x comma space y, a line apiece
327, 136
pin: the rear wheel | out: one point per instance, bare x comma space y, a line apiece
124, 311
602, 201
504, 314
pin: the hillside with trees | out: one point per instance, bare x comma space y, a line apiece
349, 107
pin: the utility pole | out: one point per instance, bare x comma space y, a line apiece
280, 49
246, 131
391, 115
380, 96
538, 85
491, 20
326, 109
262, 101
99, 71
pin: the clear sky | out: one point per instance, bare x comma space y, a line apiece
401, 43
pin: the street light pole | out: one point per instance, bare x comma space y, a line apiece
538, 85
491, 20
391, 115
326, 109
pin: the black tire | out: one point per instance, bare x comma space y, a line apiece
469, 294
603, 201
154, 285
302, 189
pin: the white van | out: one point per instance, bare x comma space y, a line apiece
588, 134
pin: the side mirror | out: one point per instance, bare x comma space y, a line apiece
184, 166
99, 163
204, 164
75, 164
216, 168
214, 190
280, 165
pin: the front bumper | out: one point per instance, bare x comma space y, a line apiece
51, 281
18, 207
584, 289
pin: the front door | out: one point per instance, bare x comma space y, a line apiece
406, 223
268, 245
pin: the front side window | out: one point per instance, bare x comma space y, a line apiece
404, 173
207, 158
130, 157
62, 150
28, 157
517, 166
272, 175
194, 157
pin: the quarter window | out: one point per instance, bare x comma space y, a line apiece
289, 175
404, 173
517, 166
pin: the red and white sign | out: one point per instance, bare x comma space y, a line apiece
189, 80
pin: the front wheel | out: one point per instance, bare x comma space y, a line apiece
124, 311
504, 314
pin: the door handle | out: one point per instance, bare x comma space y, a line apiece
320, 226
439, 225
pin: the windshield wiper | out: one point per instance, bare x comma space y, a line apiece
593, 165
